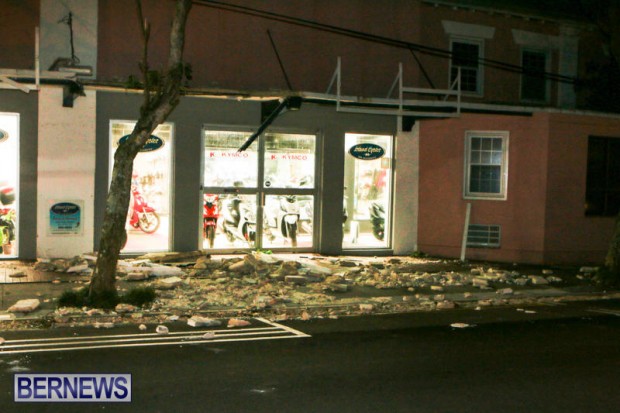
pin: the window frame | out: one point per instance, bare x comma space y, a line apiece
479, 92
547, 68
503, 193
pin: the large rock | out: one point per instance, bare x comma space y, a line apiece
25, 306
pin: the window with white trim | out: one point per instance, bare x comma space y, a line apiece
534, 85
486, 164
465, 56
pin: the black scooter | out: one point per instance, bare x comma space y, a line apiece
238, 221
377, 219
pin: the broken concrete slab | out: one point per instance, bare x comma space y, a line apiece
198, 321
25, 306
169, 283
237, 322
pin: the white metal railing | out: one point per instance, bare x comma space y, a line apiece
447, 99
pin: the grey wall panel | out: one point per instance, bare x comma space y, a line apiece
26, 104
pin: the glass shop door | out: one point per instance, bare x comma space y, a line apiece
367, 204
261, 198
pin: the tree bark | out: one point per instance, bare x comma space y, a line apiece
612, 261
159, 102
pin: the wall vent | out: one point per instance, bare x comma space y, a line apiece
487, 236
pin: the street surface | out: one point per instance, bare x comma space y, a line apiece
538, 359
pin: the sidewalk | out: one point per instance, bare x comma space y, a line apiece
286, 286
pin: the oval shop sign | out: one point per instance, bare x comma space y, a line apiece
4, 135
152, 144
65, 208
367, 151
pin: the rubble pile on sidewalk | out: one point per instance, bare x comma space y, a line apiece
305, 287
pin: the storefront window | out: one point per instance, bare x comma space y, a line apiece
148, 219
9, 155
224, 166
262, 197
289, 161
288, 221
367, 193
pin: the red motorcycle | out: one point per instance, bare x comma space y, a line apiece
210, 215
141, 215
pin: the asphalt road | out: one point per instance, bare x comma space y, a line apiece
558, 359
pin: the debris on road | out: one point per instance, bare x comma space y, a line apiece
162, 330
25, 306
460, 325
236, 322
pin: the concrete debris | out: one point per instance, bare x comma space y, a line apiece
505, 291
209, 335
305, 316
588, 270
445, 305
436, 288
142, 327
25, 306
554, 279
460, 325
366, 308
162, 330
236, 322
480, 282
547, 272
165, 271
538, 280
79, 268
168, 283
124, 308
103, 325
197, 321
7, 317
136, 276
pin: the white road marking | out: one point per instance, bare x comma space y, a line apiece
272, 331
605, 311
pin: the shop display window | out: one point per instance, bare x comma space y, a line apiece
367, 191
261, 198
224, 166
9, 157
148, 218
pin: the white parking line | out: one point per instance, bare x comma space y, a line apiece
273, 331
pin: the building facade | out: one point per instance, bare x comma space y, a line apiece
448, 127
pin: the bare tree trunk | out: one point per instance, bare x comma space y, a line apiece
612, 261
160, 99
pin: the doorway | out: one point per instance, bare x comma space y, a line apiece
9, 162
262, 198
367, 204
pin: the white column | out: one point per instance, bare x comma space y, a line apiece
66, 165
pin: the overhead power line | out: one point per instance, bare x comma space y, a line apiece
414, 47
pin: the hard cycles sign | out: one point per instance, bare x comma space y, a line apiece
367, 151
65, 218
4, 135
153, 143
